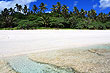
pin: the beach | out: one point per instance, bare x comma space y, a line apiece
59, 47
5, 68
84, 61
15, 42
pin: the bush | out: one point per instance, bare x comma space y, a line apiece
98, 25
72, 22
26, 24
32, 17
57, 22
107, 24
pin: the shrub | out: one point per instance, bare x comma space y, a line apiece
26, 24
107, 24
98, 25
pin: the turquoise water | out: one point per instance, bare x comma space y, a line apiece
24, 65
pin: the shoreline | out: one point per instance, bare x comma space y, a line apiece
59, 47
81, 60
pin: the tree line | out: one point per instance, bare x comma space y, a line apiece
20, 17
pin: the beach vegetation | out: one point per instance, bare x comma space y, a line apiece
21, 17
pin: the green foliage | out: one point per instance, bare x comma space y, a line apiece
72, 22
31, 17
60, 17
26, 24
107, 24
98, 25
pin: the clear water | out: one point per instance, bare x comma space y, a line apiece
24, 65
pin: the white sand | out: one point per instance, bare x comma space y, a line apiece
13, 42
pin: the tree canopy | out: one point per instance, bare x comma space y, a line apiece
19, 17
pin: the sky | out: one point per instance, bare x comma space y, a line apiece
98, 5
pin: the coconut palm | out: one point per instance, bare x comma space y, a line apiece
5, 12
93, 13
42, 7
58, 7
25, 9
54, 8
35, 8
65, 10
76, 11
82, 13
11, 10
17, 7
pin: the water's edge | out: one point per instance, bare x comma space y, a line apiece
22, 64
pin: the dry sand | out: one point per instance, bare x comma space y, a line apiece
15, 42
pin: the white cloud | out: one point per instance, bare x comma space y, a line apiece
48, 12
104, 4
95, 6
12, 3
75, 3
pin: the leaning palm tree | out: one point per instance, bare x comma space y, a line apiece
35, 8
42, 7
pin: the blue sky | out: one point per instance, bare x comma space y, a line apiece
98, 5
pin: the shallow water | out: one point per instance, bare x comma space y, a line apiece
24, 65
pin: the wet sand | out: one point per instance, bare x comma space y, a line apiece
86, 61
5, 68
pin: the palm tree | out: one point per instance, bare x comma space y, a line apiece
35, 8
28, 11
76, 11
65, 10
11, 10
102, 17
25, 9
5, 12
54, 8
17, 6
42, 7
82, 13
45, 20
93, 13
89, 14
58, 7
